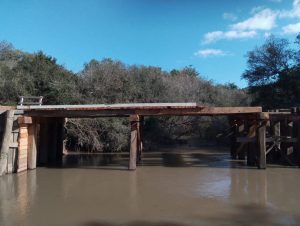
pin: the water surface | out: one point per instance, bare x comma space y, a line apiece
170, 188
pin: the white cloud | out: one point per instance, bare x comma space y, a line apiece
257, 9
263, 20
291, 28
267, 34
293, 13
228, 35
229, 16
210, 52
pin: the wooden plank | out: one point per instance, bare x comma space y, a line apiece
7, 137
25, 120
252, 147
135, 109
297, 145
32, 150
23, 146
134, 120
261, 139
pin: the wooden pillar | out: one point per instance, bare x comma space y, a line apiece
140, 139
32, 145
237, 150
233, 143
261, 143
297, 144
242, 148
252, 147
23, 143
134, 142
7, 137
44, 133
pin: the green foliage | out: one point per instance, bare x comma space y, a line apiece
109, 81
273, 73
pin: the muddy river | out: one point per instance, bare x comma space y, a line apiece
169, 188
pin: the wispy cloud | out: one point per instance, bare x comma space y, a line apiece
229, 16
263, 20
293, 13
228, 35
210, 52
291, 28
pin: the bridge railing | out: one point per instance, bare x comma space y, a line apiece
30, 100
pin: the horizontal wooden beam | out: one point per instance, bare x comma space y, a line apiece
152, 109
268, 139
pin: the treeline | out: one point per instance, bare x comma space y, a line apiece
273, 73
109, 81
273, 76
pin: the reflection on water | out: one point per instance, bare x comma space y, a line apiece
198, 187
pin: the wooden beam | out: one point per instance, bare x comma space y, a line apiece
32, 146
261, 140
134, 121
7, 137
135, 109
252, 147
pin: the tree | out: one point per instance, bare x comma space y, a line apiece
273, 73
267, 61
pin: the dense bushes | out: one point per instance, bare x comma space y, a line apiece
109, 81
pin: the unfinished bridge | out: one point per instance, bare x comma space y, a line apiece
31, 134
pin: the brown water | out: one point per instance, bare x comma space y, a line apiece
199, 187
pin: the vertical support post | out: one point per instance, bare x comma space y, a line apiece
32, 146
6, 141
297, 144
241, 149
233, 143
261, 143
23, 143
140, 142
134, 124
44, 133
251, 150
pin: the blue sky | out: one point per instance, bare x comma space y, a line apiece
213, 36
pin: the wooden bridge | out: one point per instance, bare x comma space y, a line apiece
35, 133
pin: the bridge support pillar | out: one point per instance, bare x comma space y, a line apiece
23, 143
135, 141
261, 140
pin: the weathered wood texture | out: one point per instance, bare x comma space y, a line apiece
6, 140
252, 147
261, 140
23, 148
148, 109
32, 146
134, 141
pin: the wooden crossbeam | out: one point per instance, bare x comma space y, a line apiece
125, 110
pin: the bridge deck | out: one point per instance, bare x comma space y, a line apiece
143, 109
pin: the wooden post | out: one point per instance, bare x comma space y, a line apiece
23, 143
241, 149
7, 135
140, 143
233, 143
297, 145
32, 146
134, 123
251, 150
261, 141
